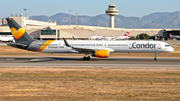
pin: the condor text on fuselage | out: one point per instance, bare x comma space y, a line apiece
148, 45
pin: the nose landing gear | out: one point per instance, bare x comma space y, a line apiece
156, 56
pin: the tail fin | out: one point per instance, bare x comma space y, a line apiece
19, 34
127, 34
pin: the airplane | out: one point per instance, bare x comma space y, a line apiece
96, 48
174, 36
126, 36
6, 39
97, 37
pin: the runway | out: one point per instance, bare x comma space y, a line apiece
121, 62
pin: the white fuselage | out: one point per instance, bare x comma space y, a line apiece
6, 38
58, 46
109, 38
174, 36
122, 37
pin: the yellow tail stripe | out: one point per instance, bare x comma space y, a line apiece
45, 45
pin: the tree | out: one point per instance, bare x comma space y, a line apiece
144, 36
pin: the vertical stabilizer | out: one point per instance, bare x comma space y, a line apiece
19, 34
126, 34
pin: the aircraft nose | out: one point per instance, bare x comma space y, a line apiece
171, 49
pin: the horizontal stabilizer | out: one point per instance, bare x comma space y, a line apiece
16, 44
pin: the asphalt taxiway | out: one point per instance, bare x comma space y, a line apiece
122, 62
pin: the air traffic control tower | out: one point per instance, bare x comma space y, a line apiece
111, 12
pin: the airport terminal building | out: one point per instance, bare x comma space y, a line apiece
50, 30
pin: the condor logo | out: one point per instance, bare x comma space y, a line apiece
148, 45
17, 33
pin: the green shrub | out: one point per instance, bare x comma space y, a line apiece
144, 36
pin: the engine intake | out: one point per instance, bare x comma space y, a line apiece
101, 53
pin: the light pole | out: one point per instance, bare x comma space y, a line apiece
25, 12
98, 23
69, 17
175, 22
76, 19
152, 24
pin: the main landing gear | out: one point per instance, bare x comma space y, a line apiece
156, 56
86, 57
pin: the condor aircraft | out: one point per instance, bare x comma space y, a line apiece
100, 49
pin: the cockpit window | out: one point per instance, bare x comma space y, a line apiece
167, 45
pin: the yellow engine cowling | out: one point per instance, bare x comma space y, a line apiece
101, 53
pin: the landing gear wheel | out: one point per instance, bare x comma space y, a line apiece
86, 58
155, 58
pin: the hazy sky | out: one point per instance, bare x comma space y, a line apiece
137, 8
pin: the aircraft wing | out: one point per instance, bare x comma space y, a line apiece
87, 49
91, 49
82, 49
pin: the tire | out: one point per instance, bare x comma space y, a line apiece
155, 59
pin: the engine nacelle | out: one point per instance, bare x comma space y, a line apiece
101, 53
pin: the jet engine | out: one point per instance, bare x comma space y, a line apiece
101, 53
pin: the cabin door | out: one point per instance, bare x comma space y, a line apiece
159, 45
130, 45
61, 45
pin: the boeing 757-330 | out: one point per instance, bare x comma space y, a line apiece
95, 48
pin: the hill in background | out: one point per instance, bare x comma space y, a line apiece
159, 19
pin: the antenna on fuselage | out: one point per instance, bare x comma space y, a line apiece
73, 38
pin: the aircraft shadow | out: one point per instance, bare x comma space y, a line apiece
50, 59
46, 59
139, 60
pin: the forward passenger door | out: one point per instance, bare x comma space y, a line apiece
61, 45
159, 45
130, 45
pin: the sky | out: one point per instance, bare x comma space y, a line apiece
128, 8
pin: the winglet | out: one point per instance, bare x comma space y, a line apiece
66, 43
73, 38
